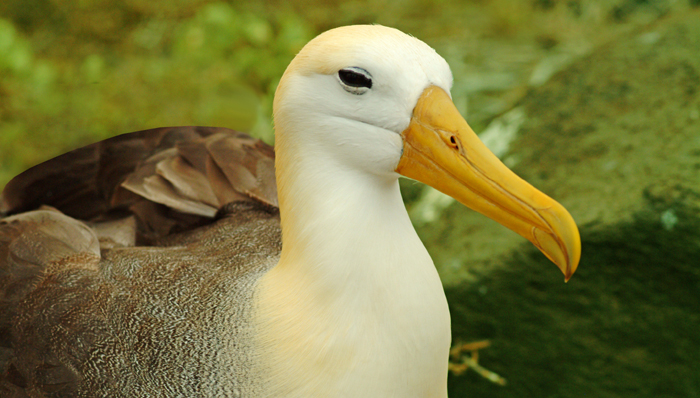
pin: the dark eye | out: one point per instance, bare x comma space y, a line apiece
355, 80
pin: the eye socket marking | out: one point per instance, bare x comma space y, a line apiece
355, 80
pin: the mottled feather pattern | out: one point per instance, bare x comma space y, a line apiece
138, 280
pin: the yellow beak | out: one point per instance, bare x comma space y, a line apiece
441, 150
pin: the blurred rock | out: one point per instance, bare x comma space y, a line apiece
616, 139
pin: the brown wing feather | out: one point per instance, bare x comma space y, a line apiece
81, 182
194, 171
253, 171
84, 309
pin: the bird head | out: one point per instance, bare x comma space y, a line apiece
375, 100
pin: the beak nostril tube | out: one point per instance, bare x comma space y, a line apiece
453, 141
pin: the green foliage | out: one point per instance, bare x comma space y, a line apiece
218, 66
626, 325
24, 83
78, 72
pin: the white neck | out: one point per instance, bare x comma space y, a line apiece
355, 307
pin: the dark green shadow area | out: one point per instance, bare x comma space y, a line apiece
626, 325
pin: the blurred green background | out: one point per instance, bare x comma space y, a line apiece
75, 72
603, 96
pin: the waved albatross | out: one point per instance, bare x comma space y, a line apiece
169, 262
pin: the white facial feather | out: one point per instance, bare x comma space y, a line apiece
310, 97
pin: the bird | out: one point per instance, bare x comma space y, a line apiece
198, 261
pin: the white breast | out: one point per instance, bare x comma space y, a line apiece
360, 312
